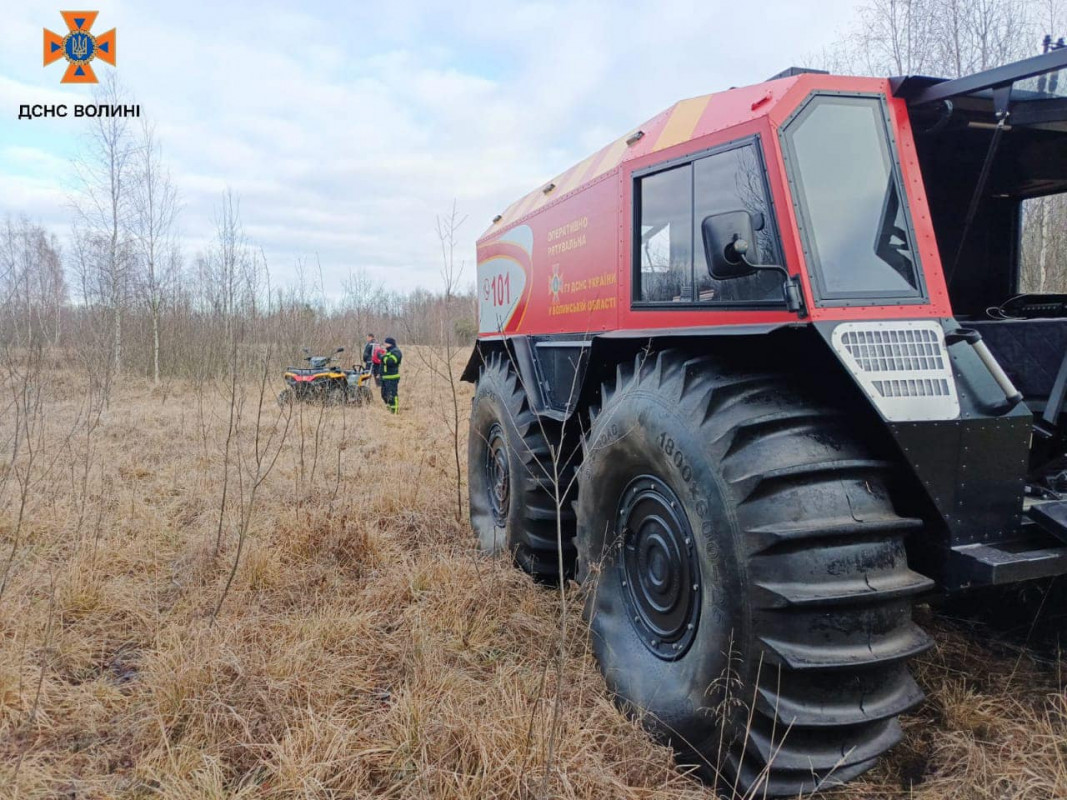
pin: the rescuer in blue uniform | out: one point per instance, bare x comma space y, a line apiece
391, 374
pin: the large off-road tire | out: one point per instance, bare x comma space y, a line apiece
520, 475
286, 397
750, 598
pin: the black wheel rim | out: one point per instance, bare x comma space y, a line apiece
658, 567
497, 475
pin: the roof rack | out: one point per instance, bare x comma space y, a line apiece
918, 90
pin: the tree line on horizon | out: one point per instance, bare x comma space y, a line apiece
122, 293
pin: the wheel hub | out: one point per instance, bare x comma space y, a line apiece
498, 475
658, 567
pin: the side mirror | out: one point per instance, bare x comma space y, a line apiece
727, 238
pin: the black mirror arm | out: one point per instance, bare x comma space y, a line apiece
794, 297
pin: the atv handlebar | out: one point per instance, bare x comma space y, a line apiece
326, 360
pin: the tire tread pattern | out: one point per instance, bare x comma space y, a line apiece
829, 597
534, 536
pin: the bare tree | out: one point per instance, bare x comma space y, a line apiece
938, 37
441, 363
154, 208
51, 284
362, 297
33, 288
451, 271
229, 260
268, 432
105, 174
227, 265
896, 36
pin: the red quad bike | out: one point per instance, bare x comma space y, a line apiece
772, 344
324, 382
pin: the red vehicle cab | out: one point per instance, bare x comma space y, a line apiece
615, 242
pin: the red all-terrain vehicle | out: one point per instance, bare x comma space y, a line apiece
765, 356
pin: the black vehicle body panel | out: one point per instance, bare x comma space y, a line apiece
966, 477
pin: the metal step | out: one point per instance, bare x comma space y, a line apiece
1051, 517
1006, 562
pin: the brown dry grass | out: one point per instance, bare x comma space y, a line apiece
365, 649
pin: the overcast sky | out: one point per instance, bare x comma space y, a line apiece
345, 127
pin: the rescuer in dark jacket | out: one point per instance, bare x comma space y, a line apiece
391, 374
372, 364
368, 350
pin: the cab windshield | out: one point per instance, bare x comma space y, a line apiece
854, 225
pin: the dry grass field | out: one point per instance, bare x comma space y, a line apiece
363, 647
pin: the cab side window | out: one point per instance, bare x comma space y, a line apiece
666, 236
733, 181
670, 206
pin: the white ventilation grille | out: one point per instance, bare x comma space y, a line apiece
894, 349
902, 366
913, 388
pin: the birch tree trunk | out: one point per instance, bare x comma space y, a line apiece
102, 207
155, 207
